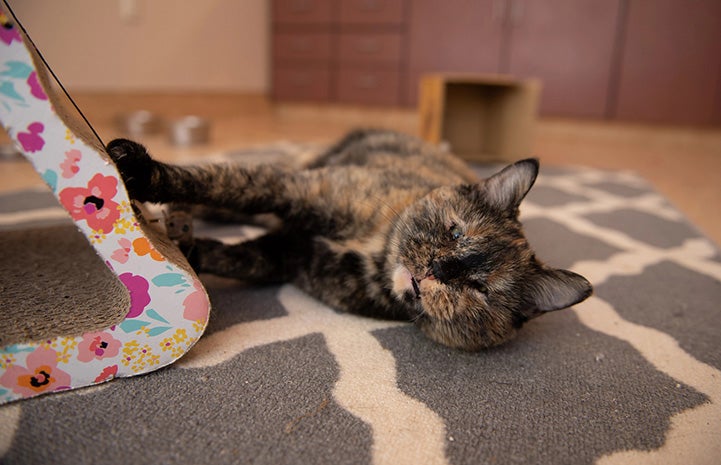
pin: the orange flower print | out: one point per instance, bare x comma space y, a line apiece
94, 203
41, 374
142, 246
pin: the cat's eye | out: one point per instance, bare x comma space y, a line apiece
480, 287
456, 232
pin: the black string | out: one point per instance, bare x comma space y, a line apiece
52, 73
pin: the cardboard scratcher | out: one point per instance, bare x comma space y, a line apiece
164, 307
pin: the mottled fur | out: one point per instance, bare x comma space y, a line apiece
381, 225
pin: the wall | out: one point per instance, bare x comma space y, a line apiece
168, 45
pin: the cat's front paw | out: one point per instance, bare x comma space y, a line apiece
135, 166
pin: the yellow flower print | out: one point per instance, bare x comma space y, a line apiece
6, 360
143, 331
137, 357
198, 325
180, 335
167, 344
129, 350
173, 345
124, 207
67, 347
97, 237
69, 136
123, 226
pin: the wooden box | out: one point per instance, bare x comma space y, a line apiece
481, 117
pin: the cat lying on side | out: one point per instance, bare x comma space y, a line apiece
381, 225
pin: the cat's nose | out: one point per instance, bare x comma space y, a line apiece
446, 270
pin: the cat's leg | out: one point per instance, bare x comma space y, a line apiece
256, 189
271, 258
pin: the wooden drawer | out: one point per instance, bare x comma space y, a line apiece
368, 86
306, 46
371, 12
366, 48
302, 11
311, 83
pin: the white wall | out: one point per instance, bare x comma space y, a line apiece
169, 45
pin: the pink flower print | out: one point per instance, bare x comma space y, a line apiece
70, 165
139, 297
31, 140
122, 254
107, 373
35, 88
196, 304
94, 203
97, 346
8, 32
41, 374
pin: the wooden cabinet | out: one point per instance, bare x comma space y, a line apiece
302, 49
643, 60
671, 62
461, 36
296, 12
567, 44
363, 48
305, 47
373, 13
347, 51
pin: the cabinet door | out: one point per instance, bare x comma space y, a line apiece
302, 82
369, 86
453, 36
308, 47
371, 12
370, 48
671, 62
302, 11
569, 46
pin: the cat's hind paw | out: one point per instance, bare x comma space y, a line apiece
135, 166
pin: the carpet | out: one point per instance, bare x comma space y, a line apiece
632, 375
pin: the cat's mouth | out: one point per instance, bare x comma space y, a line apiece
406, 285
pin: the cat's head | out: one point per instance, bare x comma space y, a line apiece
460, 260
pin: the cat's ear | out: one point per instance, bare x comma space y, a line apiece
507, 188
555, 289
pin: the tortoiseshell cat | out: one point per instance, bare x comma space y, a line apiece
382, 225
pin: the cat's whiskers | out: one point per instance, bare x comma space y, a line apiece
394, 218
394, 214
398, 225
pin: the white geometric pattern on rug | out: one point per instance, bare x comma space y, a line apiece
693, 434
366, 386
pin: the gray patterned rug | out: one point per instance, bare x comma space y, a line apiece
633, 375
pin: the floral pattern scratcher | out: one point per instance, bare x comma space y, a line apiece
168, 305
